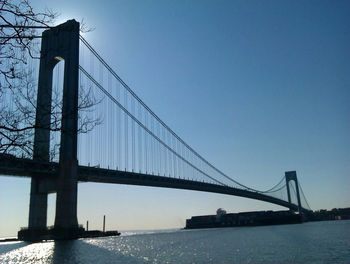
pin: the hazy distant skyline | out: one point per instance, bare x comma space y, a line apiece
256, 87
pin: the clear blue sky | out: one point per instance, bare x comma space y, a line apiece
256, 87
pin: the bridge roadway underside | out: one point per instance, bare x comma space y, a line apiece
29, 168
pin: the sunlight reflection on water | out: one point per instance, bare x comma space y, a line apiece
29, 253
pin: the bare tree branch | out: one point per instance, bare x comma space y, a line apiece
20, 26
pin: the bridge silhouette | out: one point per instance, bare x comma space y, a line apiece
126, 142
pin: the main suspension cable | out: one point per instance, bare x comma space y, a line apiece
163, 124
143, 126
301, 190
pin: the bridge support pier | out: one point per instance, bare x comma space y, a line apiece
37, 206
292, 176
66, 222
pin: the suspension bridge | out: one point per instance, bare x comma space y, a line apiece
122, 140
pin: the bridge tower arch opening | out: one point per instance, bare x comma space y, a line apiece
58, 43
292, 176
56, 108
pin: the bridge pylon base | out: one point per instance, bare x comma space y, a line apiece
66, 221
38, 206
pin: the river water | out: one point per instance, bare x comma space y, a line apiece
315, 242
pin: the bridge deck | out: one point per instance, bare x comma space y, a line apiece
29, 168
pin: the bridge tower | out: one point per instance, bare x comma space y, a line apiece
292, 176
58, 43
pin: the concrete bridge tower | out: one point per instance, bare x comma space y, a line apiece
292, 176
58, 43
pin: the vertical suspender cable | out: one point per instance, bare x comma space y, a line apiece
126, 125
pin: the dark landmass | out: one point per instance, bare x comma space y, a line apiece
327, 215
9, 239
259, 218
256, 218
